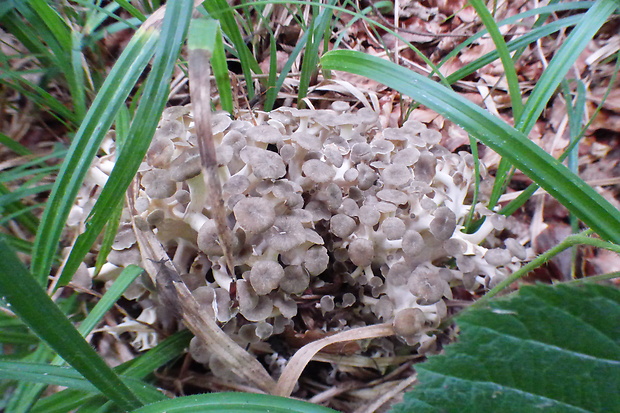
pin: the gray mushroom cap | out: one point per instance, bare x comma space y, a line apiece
318, 171
264, 133
254, 214
361, 252
426, 285
444, 223
265, 164
342, 225
185, 166
157, 184
265, 276
408, 322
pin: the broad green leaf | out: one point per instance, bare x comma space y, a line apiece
548, 348
581, 199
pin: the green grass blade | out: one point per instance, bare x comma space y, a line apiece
13, 145
504, 55
98, 120
152, 102
220, 10
68, 377
563, 60
39, 96
555, 178
317, 29
234, 403
34, 307
513, 45
111, 229
139, 367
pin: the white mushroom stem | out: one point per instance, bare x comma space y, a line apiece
197, 193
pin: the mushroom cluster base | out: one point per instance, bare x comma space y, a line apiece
334, 222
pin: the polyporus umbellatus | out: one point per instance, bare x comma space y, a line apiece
331, 216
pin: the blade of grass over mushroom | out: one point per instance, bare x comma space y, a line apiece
152, 102
222, 11
111, 229
563, 60
550, 174
98, 119
28, 301
220, 71
201, 43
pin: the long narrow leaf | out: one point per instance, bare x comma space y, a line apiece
152, 102
98, 120
28, 300
139, 367
563, 61
555, 178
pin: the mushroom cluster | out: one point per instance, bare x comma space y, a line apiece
336, 222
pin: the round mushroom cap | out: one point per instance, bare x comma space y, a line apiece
427, 285
254, 214
361, 152
393, 195
316, 260
158, 185
236, 184
369, 215
208, 239
265, 276
318, 171
307, 141
366, 177
393, 228
265, 164
263, 310
296, 279
264, 133
443, 224
160, 152
288, 233
408, 322
342, 225
498, 257
220, 122
431, 136
406, 156
413, 243
185, 166
424, 169
361, 252
396, 175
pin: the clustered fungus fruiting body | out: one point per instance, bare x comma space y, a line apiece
333, 218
